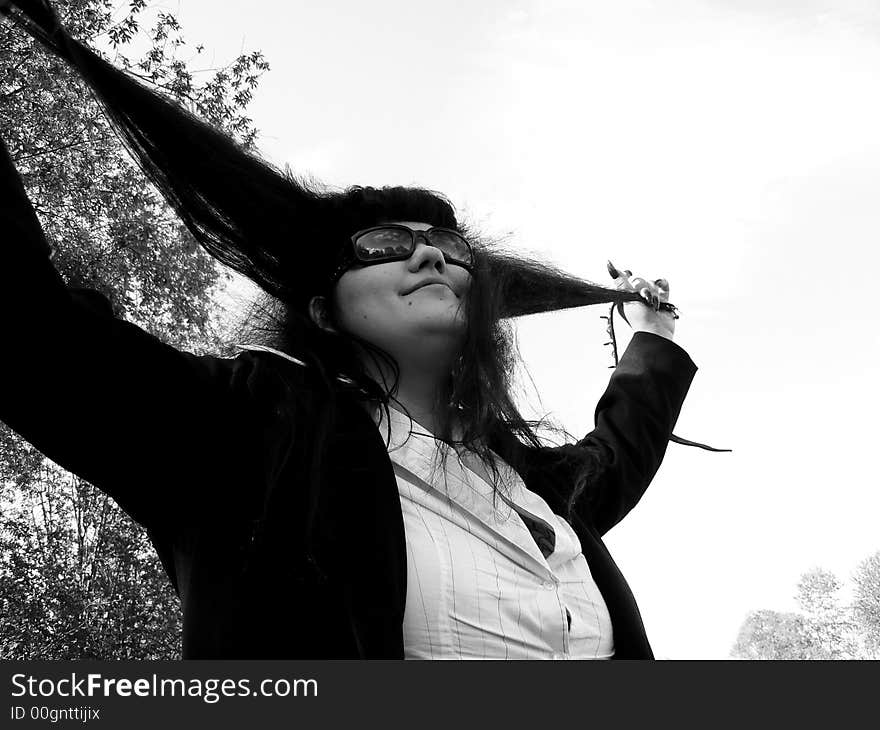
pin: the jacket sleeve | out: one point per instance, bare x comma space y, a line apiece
159, 430
634, 420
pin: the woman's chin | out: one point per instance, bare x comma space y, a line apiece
435, 323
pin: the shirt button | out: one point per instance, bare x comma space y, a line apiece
549, 584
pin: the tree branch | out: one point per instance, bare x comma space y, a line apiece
40, 153
12, 93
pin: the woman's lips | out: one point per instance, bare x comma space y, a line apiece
424, 286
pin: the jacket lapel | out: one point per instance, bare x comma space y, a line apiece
467, 496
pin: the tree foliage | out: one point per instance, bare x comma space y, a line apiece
826, 627
866, 605
77, 578
112, 231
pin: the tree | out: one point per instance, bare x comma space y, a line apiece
866, 604
771, 635
77, 578
827, 624
825, 628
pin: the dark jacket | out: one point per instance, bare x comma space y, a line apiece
191, 446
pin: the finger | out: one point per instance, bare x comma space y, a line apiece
654, 293
651, 298
654, 287
621, 278
664, 289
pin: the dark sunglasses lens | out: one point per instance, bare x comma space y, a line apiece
452, 245
384, 242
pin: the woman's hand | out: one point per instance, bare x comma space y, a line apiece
645, 316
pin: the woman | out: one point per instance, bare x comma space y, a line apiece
291, 522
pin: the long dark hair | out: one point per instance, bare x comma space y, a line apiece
257, 220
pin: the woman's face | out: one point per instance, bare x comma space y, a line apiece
391, 306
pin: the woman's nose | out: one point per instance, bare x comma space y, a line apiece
426, 252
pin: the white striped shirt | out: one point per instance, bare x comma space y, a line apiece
478, 586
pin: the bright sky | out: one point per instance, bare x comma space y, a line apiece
727, 146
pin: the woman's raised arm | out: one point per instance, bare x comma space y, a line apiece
634, 420
164, 432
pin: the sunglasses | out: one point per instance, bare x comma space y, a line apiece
391, 242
